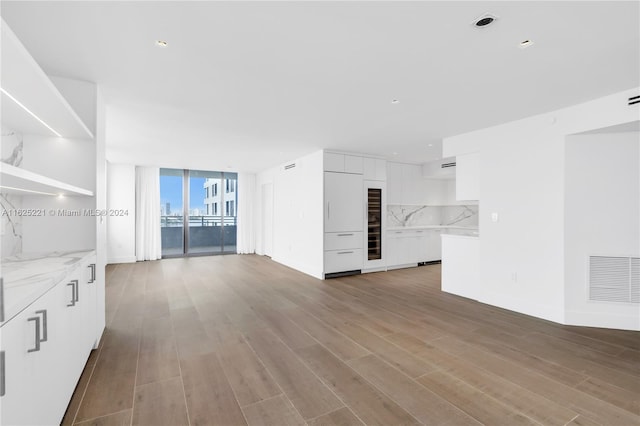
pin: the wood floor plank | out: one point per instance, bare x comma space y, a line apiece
475, 403
307, 393
158, 359
210, 398
160, 403
123, 418
619, 397
283, 327
369, 404
423, 404
340, 417
329, 337
275, 411
248, 377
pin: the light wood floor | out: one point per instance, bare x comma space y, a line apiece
234, 340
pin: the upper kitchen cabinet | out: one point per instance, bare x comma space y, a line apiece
394, 183
31, 103
375, 169
440, 169
467, 176
343, 163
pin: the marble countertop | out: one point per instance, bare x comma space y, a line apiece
26, 277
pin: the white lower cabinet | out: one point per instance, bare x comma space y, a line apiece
409, 247
342, 260
44, 350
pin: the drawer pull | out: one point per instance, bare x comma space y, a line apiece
73, 293
2, 374
345, 252
93, 273
45, 327
345, 235
36, 321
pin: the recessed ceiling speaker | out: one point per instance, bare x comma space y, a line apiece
484, 20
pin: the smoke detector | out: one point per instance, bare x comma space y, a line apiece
484, 20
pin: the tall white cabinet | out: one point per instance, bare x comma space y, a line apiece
347, 181
52, 299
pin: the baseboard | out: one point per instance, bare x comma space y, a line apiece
603, 320
124, 259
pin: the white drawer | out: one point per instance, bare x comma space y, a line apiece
342, 260
342, 240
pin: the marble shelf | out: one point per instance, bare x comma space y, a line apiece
15, 180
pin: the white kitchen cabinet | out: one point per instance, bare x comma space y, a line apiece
45, 348
343, 163
433, 245
467, 176
375, 169
343, 207
394, 183
412, 188
343, 260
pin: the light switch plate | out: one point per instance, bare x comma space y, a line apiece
494, 217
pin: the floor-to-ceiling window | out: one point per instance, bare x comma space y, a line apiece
204, 218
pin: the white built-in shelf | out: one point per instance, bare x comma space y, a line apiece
14, 180
25, 82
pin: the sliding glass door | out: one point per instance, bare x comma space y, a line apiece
209, 216
172, 211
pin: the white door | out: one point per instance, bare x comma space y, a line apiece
343, 209
267, 219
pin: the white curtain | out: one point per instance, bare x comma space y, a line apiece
246, 235
148, 243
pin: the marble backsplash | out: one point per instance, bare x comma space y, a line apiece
464, 215
11, 225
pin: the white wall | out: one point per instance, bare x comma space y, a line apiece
121, 230
522, 166
297, 216
602, 217
71, 161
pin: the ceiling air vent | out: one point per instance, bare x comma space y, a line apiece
447, 165
614, 279
634, 100
289, 166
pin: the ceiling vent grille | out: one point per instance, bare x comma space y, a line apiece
634, 100
446, 165
614, 279
289, 166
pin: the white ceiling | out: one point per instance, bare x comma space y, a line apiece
248, 85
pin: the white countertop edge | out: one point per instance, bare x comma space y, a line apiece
469, 237
411, 228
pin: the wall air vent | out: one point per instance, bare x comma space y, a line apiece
614, 279
634, 100
446, 165
289, 166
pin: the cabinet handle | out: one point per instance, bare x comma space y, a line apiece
328, 210
45, 327
345, 235
2, 374
398, 232
36, 320
345, 252
73, 294
93, 273
1, 299
419, 231
77, 292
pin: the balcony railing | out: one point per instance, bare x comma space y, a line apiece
206, 220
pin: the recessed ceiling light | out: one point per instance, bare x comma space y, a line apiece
395, 101
430, 144
395, 153
484, 20
161, 43
525, 43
